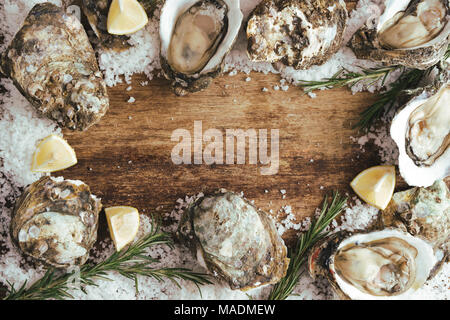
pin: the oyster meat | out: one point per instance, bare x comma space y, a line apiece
387, 264
421, 131
413, 33
297, 33
195, 38
56, 221
54, 66
234, 240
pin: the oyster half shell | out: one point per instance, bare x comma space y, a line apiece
54, 66
56, 221
234, 240
379, 265
196, 36
413, 33
421, 131
297, 33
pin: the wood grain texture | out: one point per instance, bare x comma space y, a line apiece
126, 158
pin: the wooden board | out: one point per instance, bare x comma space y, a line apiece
126, 158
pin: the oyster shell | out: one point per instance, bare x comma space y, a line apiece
421, 131
234, 240
413, 33
56, 221
53, 65
387, 264
297, 33
196, 36
422, 212
96, 12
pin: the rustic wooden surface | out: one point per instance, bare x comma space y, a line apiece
127, 161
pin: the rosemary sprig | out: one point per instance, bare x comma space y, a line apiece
347, 78
447, 54
130, 263
407, 80
386, 100
298, 256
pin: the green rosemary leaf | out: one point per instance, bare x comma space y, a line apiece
346, 78
386, 100
298, 256
130, 263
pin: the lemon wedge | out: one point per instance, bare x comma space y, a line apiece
375, 185
53, 153
125, 17
123, 223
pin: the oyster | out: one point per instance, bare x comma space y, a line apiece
54, 66
195, 38
96, 12
422, 212
56, 221
297, 33
387, 264
421, 131
413, 33
234, 240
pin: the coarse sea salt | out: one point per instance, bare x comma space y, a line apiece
379, 136
21, 129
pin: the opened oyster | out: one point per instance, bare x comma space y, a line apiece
96, 12
421, 131
413, 33
422, 212
55, 221
297, 33
54, 66
195, 38
387, 264
234, 240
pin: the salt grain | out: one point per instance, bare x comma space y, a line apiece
312, 95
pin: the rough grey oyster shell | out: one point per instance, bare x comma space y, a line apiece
96, 12
234, 240
297, 33
422, 212
368, 44
214, 33
388, 264
54, 66
56, 221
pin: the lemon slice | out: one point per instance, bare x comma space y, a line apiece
125, 17
123, 223
53, 153
375, 185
